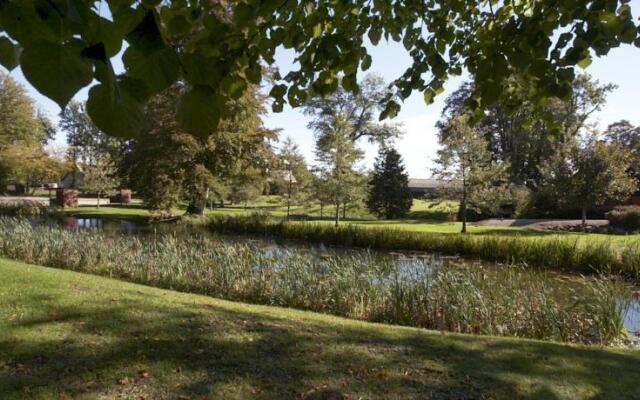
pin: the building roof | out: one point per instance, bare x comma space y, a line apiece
415, 183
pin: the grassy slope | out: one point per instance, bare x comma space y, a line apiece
65, 334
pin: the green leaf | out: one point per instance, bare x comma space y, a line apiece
317, 30
21, 22
429, 94
391, 110
9, 53
146, 36
234, 86
366, 62
200, 110
57, 71
118, 114
242, 14
158, 70
585, 62
103, 31
278, 91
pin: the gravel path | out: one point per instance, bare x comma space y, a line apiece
544, 224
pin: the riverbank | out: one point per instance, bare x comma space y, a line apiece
559, 252
67, 334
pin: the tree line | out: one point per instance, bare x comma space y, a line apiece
529, 162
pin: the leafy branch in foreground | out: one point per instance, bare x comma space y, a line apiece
219, 48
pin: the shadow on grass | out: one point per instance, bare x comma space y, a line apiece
135, 345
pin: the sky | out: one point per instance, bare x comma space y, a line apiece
418, 144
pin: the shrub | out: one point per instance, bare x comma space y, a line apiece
627, 218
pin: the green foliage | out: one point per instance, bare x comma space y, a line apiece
389, 195
526, 136
293, 178
100, 177
590, 175
23, 134
336, 155
222, 45
470, 174
627, 135
626, 218
167, 165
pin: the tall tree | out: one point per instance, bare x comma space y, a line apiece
526, 136
195, 169
23, 134
336, 156
294, 176
86, 142
19, 120
589, 175
389, 196
627, 135
356, 112
464, 163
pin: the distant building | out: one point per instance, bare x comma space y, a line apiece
425, 188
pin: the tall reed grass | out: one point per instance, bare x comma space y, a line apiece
555, 252
21, 208
358, 284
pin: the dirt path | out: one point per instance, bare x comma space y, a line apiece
544, 224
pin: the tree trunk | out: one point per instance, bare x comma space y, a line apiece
584, 218
344, 211
98, 199
321, 210
337, 213
197, 205
463, 211
289, 197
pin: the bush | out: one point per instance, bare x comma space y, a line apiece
627, 218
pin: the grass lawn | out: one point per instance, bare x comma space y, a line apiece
68, 335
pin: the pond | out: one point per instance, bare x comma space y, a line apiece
495, 282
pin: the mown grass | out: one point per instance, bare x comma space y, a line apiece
559, 252
69, 335
360, 285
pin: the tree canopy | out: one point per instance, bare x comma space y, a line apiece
220, 48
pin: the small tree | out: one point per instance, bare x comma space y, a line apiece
590, 175
100, 176
389, 195
465, 164
295, 177
336, 155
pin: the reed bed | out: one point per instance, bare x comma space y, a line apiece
362, 285
556, 252
21, 208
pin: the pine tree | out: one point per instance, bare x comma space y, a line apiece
390, 196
